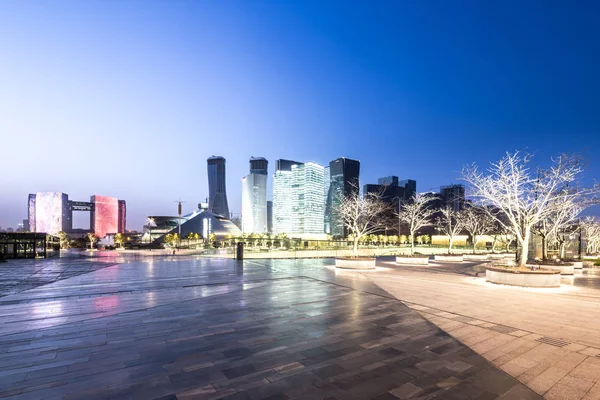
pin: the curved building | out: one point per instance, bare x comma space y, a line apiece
217, 195
202, 222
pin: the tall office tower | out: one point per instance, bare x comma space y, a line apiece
453, 196
392, 192
217, 195
327, 183
270, 216
254, 197
344, 180
122, 224
308, 205
49, 212
283, 196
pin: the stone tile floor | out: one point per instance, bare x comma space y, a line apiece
546, 338
193, 328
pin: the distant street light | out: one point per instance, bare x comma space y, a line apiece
179, 202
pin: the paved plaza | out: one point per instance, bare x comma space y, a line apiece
195, 328
546, 338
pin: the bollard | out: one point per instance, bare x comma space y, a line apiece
239, 253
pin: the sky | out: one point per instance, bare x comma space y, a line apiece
129, 98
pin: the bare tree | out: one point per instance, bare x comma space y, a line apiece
478, 222
417, 214
590, 229
566, 210
92, 238
364, 215
450, 223
525, 199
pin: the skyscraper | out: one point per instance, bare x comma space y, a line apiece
283, 196
308, 206
392, 192
254, 197
344, 180
217, 195
453, 196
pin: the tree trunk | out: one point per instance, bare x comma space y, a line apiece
562, 249
412, 243
355, 247
450, 245
474, 243
525, 248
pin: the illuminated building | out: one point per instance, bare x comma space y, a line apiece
283, 196
201, 221
343, 181
53, 212
254, 197
217, 194
308, 207
49, 212
105, 215
298, 201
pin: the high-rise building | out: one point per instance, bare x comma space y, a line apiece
344, 180
122, 224
308, 205
254, 197
270, 216
217, 195
392, 192
283, 196
453, 196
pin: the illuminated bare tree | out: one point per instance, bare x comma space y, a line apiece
590, 229
559, 224
478, 222
364, 215
525, 198
417, 214
450, 223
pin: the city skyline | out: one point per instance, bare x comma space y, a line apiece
129, 100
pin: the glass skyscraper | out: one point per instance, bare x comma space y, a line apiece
343, 181
308, 207
298, 201
254, 197
283, 196
217, 195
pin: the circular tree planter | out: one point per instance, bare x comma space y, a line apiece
498, 256
412, 260
563, 268
577, 264
539, 278
449, 257
476, 257
359, 263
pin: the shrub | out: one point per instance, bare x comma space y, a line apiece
597, 263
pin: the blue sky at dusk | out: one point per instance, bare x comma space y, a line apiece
128, 99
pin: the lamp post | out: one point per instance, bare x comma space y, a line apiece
179, 202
